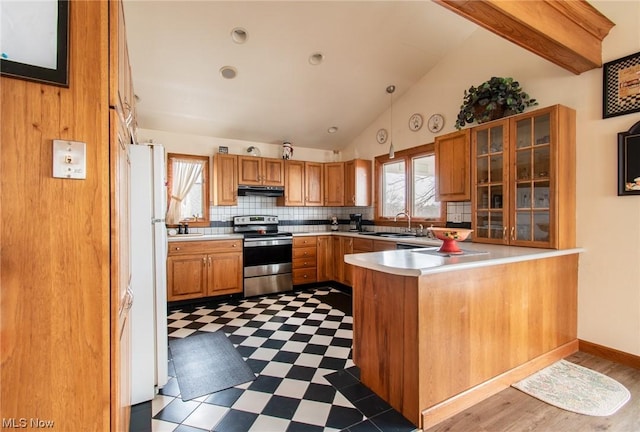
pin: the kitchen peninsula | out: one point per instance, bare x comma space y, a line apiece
434, 335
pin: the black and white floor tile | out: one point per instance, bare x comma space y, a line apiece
300, 350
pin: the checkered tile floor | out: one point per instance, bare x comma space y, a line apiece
300, 350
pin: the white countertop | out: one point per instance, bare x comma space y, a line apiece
422, 241
202, 237
412, 262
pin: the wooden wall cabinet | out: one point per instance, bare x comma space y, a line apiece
524, 179
357, 182
225, 179
257, 171
122, 132
453, 179
324, 254
303, 184
334, 185
197, 269
304, 260
313, 184
121, 271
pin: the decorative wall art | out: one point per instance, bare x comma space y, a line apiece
629, 161
621, 86
34, 43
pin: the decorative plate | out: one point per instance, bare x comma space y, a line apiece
415, 122
436, 123
382, 135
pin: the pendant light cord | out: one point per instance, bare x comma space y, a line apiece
390, 90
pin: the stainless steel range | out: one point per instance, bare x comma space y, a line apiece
267, 255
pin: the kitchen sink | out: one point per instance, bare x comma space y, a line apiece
389, 234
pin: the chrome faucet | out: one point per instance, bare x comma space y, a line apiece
406, 213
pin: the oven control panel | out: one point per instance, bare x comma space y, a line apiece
255, 220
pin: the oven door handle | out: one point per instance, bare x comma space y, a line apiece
268, 242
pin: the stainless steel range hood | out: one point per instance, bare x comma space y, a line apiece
271, 191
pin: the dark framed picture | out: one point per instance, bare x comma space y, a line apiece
621, 86
629, 161
37, 46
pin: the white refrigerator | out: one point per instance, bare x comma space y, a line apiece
149, 341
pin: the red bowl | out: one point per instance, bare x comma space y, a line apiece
450, 233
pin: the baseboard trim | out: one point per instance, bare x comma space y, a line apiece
460, 402
609, 354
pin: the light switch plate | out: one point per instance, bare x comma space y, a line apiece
69, 159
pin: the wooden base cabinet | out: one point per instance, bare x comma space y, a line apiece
204, 268
524, 179
324, 254
445, 341
342, 272
304, 260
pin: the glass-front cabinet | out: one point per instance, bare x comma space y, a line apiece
491, 154
524, 179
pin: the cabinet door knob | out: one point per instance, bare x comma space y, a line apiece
513, 233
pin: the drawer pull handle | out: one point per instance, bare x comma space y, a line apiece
177, 248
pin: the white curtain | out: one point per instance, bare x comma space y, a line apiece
185, 173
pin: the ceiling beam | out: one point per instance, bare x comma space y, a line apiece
567, 33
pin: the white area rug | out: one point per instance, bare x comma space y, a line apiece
576, 388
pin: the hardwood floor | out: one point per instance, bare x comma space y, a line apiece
514, 411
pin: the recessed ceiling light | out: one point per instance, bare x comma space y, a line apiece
332, 129
316, 58
228, 72
239, 35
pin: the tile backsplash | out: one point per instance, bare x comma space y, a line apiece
459, 211
222, 216
310, 218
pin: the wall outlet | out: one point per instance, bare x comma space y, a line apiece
456, 217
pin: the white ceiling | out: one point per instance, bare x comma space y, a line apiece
177, 48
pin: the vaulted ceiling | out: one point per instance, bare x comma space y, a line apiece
303, 67
177, 49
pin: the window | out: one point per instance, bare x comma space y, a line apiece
407, 183
188, 190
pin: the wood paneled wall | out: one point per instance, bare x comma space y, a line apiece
54, 274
